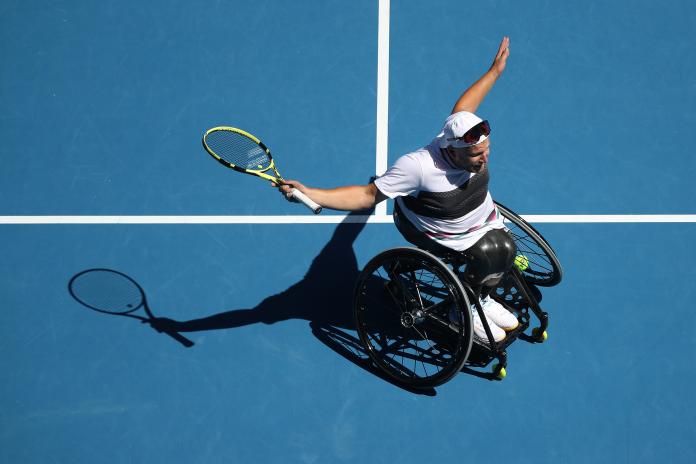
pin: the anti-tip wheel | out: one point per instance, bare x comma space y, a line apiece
541, 338
499, 372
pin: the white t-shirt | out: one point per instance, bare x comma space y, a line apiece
448, 204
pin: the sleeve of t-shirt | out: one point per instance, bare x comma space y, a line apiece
402, 179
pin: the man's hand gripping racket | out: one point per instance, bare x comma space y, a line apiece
241, 151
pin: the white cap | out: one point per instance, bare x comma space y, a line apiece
456, 125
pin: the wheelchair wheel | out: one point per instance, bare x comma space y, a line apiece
543, 269
412, 316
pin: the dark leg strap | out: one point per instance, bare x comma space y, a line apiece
418, 238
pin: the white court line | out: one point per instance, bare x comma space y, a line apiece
331, 219
382, 137
305, 219
608, 218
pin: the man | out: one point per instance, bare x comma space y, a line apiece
441, 190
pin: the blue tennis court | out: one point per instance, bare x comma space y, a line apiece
103, 108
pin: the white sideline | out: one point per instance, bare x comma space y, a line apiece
382, 137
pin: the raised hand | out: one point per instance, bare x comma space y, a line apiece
501, 56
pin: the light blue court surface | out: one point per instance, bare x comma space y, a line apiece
102, 109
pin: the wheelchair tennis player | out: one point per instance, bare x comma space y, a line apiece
442, 202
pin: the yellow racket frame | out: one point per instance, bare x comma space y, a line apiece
277, 179
255, 172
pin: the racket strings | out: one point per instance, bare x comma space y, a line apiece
107, 291
239, 150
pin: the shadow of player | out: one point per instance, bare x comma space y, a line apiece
324, 298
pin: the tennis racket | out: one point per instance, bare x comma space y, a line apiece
112, 292
241, 151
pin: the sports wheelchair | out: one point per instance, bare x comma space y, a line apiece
412, 305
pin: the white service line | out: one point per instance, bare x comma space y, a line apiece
382, 138
331, 219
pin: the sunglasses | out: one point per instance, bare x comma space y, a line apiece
474, 134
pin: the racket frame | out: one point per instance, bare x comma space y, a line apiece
254, 172
262, 173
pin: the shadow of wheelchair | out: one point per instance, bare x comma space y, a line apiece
349, 346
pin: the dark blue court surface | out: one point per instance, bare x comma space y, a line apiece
103, 107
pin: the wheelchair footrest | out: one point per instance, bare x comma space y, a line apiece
482, 354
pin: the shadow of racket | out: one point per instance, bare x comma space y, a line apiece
112, 292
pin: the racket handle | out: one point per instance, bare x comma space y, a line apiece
308, 202
180, 338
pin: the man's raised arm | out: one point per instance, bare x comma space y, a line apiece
474, 95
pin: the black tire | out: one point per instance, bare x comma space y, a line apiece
544, 268
402, 305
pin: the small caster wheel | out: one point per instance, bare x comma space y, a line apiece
499, 372
540, 338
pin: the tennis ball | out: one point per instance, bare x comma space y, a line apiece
521, 262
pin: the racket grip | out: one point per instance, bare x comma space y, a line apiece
308, 202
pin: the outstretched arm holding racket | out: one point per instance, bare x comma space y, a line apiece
349, 198
243, 152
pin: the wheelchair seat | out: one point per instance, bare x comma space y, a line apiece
485, 262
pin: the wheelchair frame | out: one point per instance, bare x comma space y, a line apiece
412, 309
